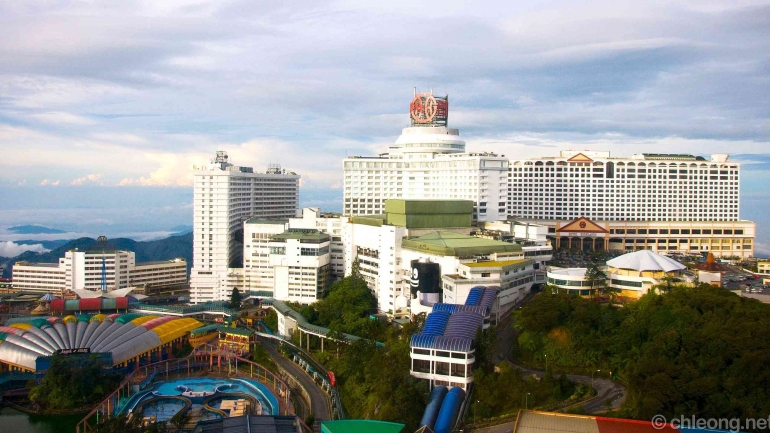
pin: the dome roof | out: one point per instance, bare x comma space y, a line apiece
645, 260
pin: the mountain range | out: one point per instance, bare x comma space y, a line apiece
162, 249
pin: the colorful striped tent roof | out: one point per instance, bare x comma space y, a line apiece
124, 336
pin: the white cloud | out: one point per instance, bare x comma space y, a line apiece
12, 249
91, 178
63, 118
47, 182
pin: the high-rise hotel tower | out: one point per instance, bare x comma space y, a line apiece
660, 202
428, 161
225, 196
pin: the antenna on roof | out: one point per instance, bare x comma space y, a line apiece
101, 241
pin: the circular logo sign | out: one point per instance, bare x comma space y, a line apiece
582, 224
423, 108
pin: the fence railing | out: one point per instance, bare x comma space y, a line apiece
112, 405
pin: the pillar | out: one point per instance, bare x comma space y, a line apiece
308, 341
322, 344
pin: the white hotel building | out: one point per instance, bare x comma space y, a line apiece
83, 270
428, 161
660, 202
225, 196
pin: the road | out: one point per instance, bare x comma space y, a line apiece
318, 400
605, 388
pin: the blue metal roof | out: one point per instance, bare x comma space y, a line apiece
474, 296
455, 344
453, 308
464, 324
436, 323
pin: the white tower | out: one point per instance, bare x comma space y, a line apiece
225, 196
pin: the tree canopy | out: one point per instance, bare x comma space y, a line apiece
72, 382
695, 350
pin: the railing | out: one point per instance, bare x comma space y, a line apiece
208, 307
112, 403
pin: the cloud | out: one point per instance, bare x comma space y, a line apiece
91, 178
62, 118
12, 249
47, 182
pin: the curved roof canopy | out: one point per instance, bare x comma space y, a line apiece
645, 260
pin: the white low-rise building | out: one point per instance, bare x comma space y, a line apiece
98, 270
332, 224
633, 275
301, 265
571, 280
257, 269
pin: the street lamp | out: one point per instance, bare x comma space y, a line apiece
526, 402
474, 411
592, 377
546, 364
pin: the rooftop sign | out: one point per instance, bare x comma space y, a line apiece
427, 109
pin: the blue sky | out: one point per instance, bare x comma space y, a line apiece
105, 108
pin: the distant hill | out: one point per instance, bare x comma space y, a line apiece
49, 245
163, 249
182, 229
35, 230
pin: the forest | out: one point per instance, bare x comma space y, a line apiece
699, 351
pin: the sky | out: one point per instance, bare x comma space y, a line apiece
106, 106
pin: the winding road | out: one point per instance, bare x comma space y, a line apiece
605, 388
318, 399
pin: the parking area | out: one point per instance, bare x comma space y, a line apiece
745, 283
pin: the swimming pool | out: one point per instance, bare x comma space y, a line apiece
198, 389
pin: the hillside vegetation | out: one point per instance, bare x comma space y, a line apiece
701, 350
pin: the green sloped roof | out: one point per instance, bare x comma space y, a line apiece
456, 244
369, 220
361, 425
429, 207
302, 234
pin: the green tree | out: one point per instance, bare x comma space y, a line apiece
74, 381
271, 320
597, 278
235, 298
690, 350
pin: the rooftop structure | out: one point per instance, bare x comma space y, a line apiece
539, 422
360, 425
126, 337
458, 245
443, 352
250, 423
642, 261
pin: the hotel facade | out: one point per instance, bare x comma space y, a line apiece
665, 203
225, 196
427, 162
